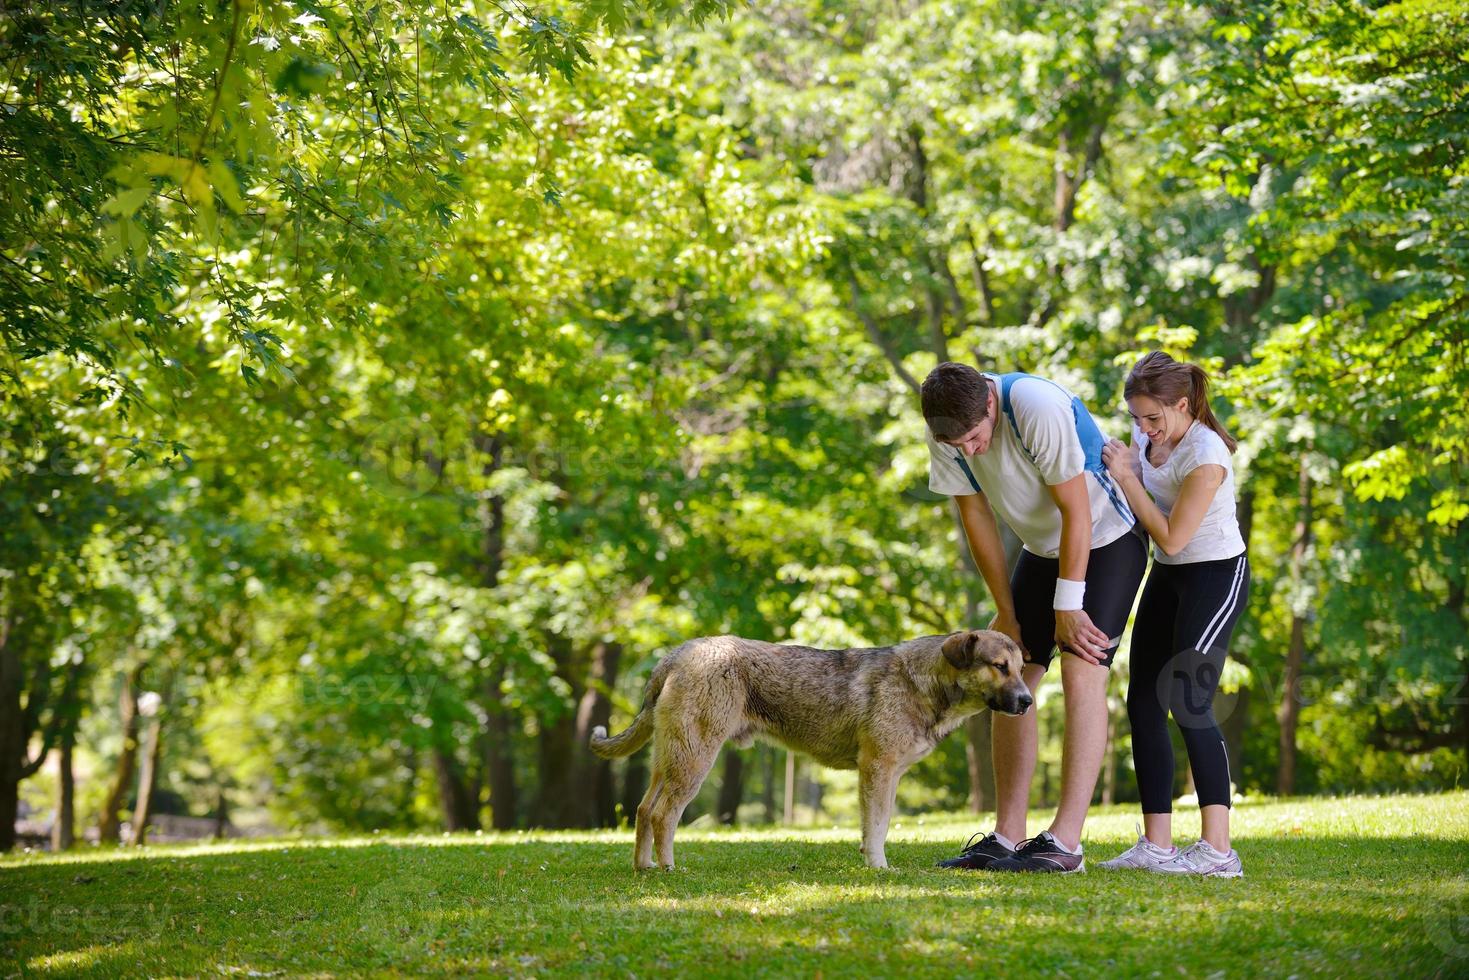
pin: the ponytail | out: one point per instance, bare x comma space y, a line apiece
1198, 400
1160, 377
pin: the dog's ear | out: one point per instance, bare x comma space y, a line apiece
994, 646
958, 649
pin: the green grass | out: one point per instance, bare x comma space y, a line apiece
1358, 886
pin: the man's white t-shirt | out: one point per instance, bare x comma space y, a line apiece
1016, 487
1219, 535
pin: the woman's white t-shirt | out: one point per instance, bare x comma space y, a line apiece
1218, 536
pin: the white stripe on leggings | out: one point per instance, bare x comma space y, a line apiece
1211, 632
1228, 782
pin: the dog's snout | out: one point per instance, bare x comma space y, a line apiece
1013, 702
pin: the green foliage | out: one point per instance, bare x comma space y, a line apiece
368, 370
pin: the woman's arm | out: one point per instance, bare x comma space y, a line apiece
1174, 531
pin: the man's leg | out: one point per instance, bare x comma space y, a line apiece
1113, 575
1014, 740
1084, 686
1014, 749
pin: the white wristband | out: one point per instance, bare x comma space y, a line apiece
1068, 594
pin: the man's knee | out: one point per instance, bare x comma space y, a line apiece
1074, 666
1083, 680
1033, 674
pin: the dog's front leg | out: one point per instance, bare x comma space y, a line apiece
864, 805
877, 787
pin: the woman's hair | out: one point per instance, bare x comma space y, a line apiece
1160, 377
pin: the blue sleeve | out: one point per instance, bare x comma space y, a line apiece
1048, 428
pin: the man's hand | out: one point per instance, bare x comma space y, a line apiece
1075, 632
1010, 626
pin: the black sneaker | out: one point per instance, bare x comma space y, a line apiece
1041, 853
978, 856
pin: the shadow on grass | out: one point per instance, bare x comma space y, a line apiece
738, 906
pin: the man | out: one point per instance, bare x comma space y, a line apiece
1028, 450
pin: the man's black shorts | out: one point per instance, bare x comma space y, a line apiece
1113, 574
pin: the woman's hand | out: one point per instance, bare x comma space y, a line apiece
1122, 461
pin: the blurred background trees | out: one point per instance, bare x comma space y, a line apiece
386, 387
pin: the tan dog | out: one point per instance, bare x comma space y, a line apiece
877, 711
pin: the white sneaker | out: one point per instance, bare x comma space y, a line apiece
1144, 854
1203, 859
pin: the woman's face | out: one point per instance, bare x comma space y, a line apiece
1159, 422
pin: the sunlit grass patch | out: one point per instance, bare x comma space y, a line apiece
1357, 886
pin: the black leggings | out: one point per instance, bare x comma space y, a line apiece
1113, 573
1179, 641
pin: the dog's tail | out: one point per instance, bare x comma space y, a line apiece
636, 735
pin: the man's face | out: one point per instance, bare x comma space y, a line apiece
976, 442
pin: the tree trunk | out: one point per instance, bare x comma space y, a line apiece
1071, 171
147, 779
562, 800
459, 806
982, 277
1244, 512
938, 339
634, 784
1458, 604
109, 825
13, 736
63, 831
9, 811
767, 789
221, 813
978, 753
499, 755
1290, 706
1464, 714
595, 708
21, 702
814, 793
789, 816
67, 715
497, 744
458, 793
1288, 713
731, 788
874, 332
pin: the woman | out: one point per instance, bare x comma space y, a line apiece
1180, 455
